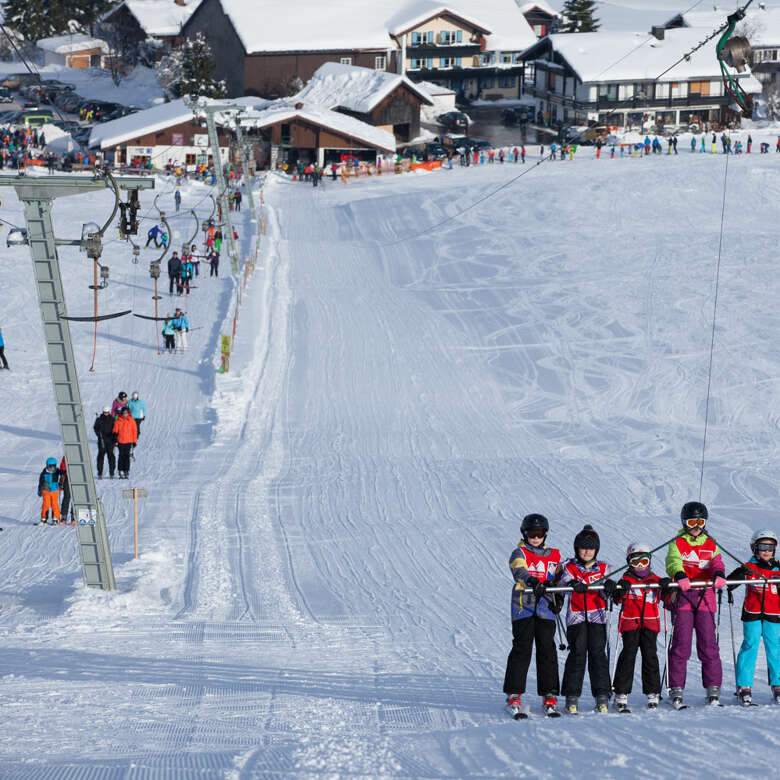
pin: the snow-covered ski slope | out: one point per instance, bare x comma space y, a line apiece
323, 586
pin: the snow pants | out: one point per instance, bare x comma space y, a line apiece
103, 453
2, 357
124, 457
138, 421
752, 631
642, 639
587, 645
51, 501
685, 621
525, 633
181, 340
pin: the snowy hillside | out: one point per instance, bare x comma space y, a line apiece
323, 586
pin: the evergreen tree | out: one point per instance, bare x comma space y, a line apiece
578, 16
35, 19
190, 70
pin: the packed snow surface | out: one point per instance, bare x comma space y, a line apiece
323, 588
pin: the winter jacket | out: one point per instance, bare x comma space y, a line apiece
2, 343
125, 430
639, 608
168, 329
762, 601
174, 266
137, 409
116, 406
181, 322
154, 232
528, 565
186, 270
49, 481
697, 558
587, 607
104, 430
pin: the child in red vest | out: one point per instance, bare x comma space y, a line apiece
586, 618
760, 615
693, 556
639, 623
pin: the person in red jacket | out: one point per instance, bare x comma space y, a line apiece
639, 623
125, 435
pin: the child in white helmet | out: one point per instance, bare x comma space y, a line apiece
760, 615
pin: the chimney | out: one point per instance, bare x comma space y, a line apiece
658, 32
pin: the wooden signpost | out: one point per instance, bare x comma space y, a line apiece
135, 494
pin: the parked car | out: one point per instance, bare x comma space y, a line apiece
453, 120
55, 83
5, 95
31, 118
16, 80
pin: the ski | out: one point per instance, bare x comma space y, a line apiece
652, 706
678, 705
551, 712
623, 709
517, 713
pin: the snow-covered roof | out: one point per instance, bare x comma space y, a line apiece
67, 44
151, 120
622, 56
313, 25
434, 90
418, 11
541, 5
158, 17
356, 89
284, 111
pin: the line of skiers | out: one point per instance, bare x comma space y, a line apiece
119, 426
692, 556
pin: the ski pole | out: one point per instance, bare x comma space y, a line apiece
733, 646
666, 652
717, 628
615, 660
561, 634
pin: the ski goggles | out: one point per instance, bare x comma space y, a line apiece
692, 522
765, 547
640, 560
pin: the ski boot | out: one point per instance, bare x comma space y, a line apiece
776, 694
713, 696
571, 705
621, 702
513, 703
602, 703
676, 698
652, 701
100, 476
745, 694
549, 706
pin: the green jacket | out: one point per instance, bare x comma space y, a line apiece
674, 564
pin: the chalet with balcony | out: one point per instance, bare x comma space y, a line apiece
576, 79
541, 18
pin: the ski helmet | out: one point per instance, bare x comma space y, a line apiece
693, 509
51, 462
762, 533
122, 394
107, 409
636, 549
587, 539
135, 395
534, 522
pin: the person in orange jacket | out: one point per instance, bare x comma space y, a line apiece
125, 435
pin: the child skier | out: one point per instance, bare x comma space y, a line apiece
760, 615
694, 556
639, 623
49, 491
586, 618
533, 566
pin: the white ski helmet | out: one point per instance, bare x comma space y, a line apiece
637, 548
762, 533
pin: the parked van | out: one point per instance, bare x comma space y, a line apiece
16, 80
35, 118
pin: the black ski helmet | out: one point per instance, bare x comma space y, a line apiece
693, 509
587, 539
534, 522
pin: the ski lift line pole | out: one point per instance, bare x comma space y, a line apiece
656, 586
245, 170
135, 494
37, 195
210, 111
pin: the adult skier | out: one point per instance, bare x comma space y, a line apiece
533, 566
174, 269
2, 351
693, 557
181, 327
760, 615
137, 411
119, 402
153, 234
125, 435
49, 491
586, 618
638, 623
104, 430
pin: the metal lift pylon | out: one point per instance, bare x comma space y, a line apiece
37, 194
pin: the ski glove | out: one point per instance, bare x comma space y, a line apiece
720, 582
684, 583
539, 588
578, 587
663, 585
610, 588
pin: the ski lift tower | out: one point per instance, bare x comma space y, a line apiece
209, 110
37, 194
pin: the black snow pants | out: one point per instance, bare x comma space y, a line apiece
105, 451
524, 633
587, 644
640, 639
124, 458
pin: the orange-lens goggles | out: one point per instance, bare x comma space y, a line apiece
643, 560
692, 522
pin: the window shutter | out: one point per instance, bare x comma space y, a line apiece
442, 37
415, 37
430, 36
430, 61
459, 36
457, 61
